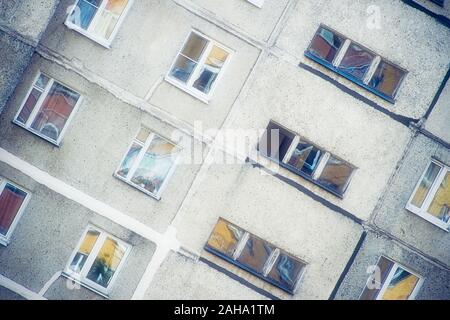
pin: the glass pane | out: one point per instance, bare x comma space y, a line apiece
326, 44
306, 157
286, 271
55, 110
194, 47
11, 200
255, 253
336, 175
128, 162
401, 286
155, 165
225, 238
29, 105
85, 249
275, 142
387, 79
425, 185
143, 135
356, 61
376, 281
108, 19
107, 262
183, 68
211, 69
84, 12
41, 82
440, 206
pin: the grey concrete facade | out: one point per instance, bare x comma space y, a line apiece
268, 77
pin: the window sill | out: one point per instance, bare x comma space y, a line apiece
37, 133
68, 276
428, 217
156, 197
104, 43
349, 77
191, 92
257, 3
4, 241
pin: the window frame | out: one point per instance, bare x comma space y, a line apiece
269, 263
6, 239
257, 3
423, 210
377, 61
81, 277
145, 146
186, 87
314, 178
38, 105
389, 277
102, 41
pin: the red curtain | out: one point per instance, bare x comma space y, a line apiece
10, 201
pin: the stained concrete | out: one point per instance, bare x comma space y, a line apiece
439, 118
436, 285
48, 232
180, 278
6, 294
407, 226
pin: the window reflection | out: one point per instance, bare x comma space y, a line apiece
305, 157
286, 271
425, 185
356, 61
401, 285
326, 44
215, 61
440, 206
387, 79
336, 175
85, 249
255, 253
11, 199
225, 238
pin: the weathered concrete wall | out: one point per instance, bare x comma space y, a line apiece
335, 121
29, 18
93, 146
426, 62
180, 278
146, 45
407, 226
15, 58
439, 118
278, 213
258, 23
433, 7
435, 286
49, 231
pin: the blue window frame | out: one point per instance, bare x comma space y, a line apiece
356, 63
305, 159
255, 255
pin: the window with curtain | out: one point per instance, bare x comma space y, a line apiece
149, 162
12, 203
97, 259
198, 65
98, 18
390, 281
48, 108
431, 197
356, 63
255, 255
304, 158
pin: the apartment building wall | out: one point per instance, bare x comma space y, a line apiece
49, 231
22, 24
267, 78
435, 285
437, 122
